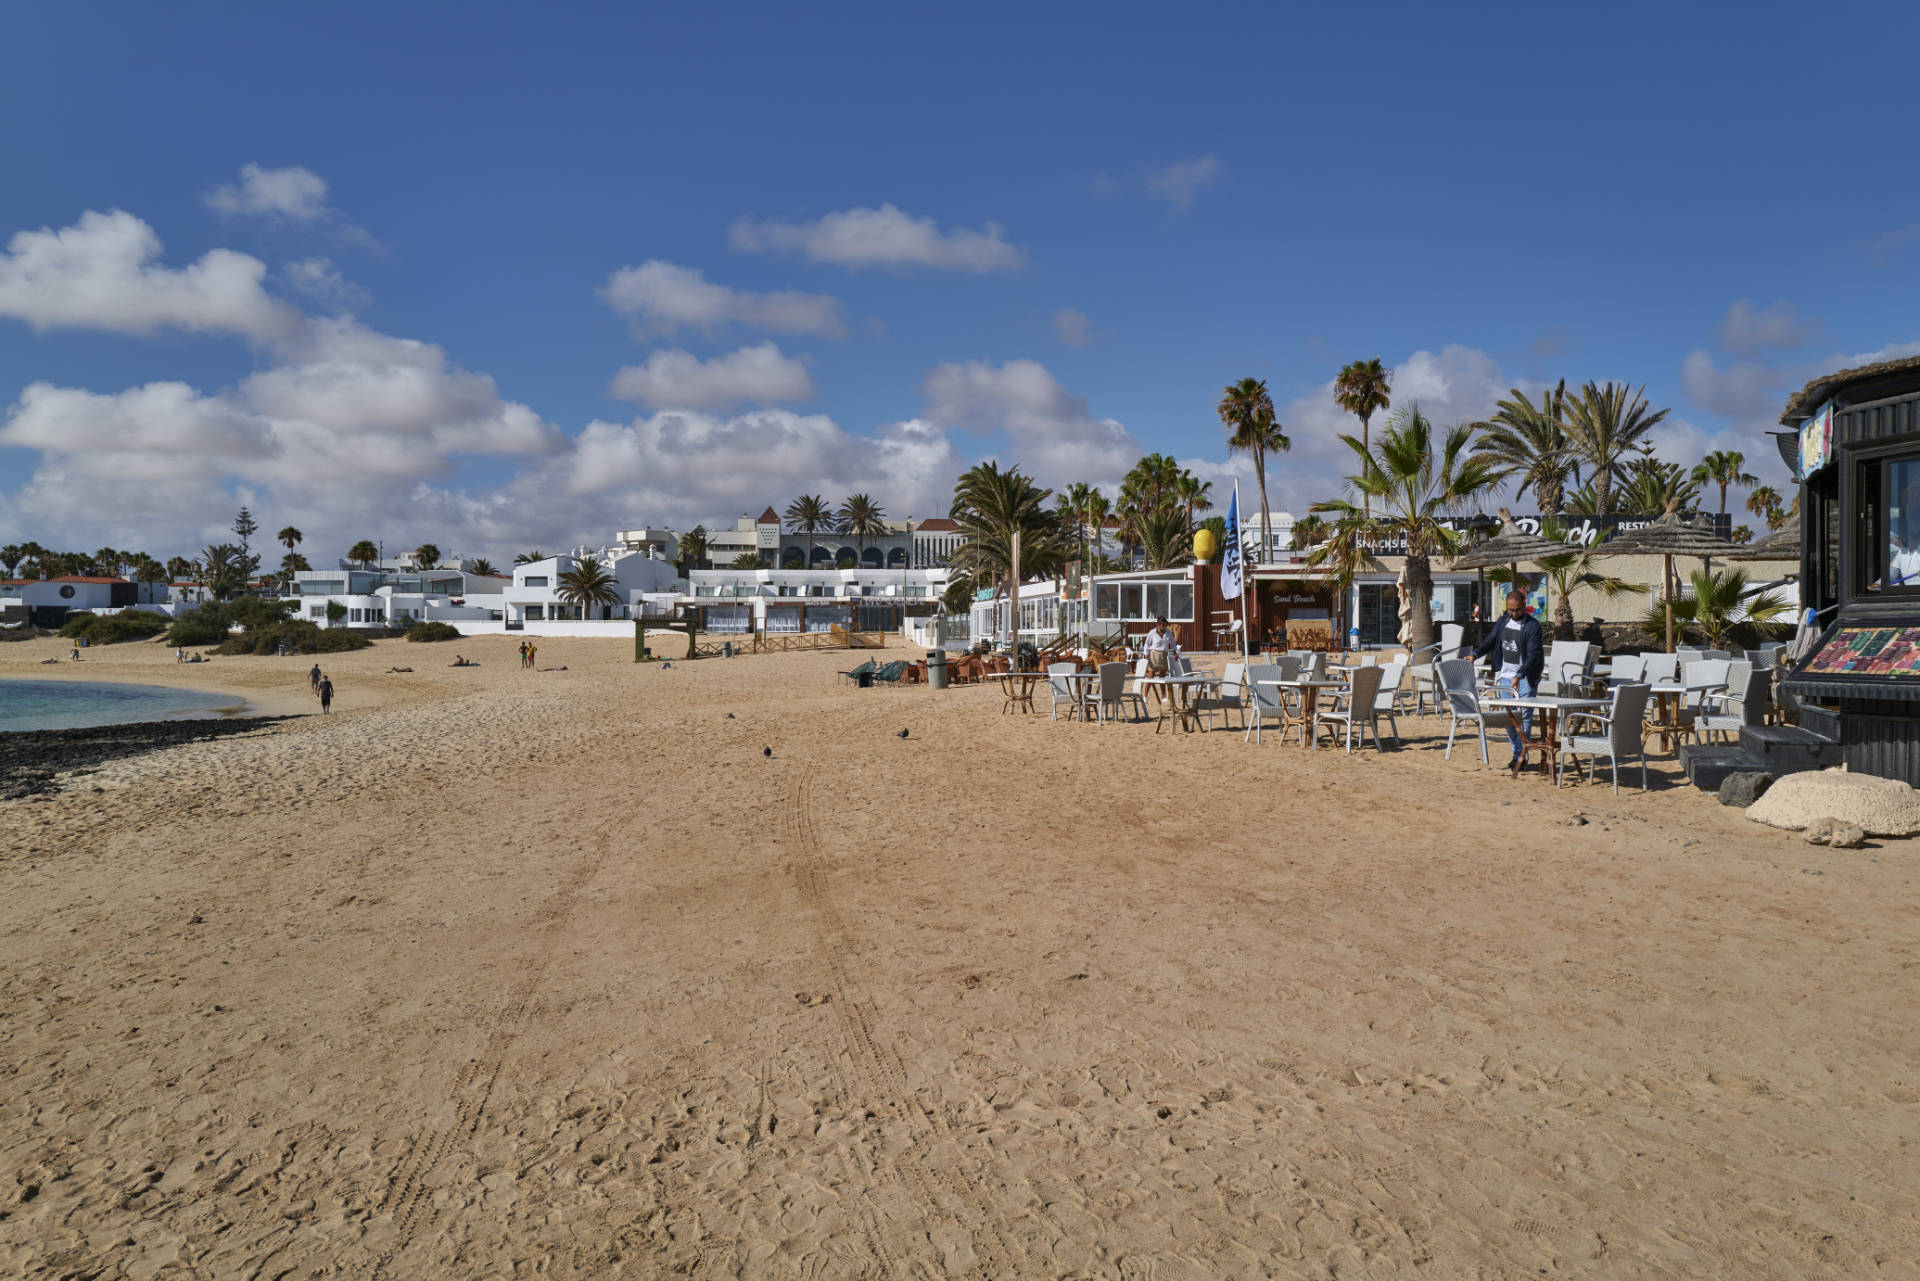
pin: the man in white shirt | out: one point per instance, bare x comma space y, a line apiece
1159, 647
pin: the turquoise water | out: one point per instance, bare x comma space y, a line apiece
69, 704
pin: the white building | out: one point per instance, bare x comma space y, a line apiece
812, 600
536, 593
47, 601
380, 598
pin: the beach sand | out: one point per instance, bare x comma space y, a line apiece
505, 973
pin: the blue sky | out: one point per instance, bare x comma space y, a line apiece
500, 276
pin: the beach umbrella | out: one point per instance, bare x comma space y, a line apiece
1669, 536
1508, 547
1781, 544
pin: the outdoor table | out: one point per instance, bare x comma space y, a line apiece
1548, 743
1179, 705
1309, 688
1018, 687
1074, 681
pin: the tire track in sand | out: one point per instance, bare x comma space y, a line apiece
406, 1200
933, 1171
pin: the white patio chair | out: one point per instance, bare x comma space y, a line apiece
1356, 708
1062, 690
1114, 694
1387, 702
1462, 705
1658, 669
1422, 681
1743, 704
1619, 733
1228, 697
1702, 677
1568, 665
1627, 669
1263, 701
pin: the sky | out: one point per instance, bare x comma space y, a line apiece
506, 276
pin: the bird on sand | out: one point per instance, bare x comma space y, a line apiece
729, 715
903, 733
766, 751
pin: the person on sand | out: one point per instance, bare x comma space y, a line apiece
313, 679
326, 695
523, 653
1516, 639
532, 649
1158, 647
75, 656
180, 654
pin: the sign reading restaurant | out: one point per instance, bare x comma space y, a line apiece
1581, 530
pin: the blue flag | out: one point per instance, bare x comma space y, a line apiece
1230, 565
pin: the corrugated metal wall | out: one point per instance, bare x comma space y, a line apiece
1876, 422
1880, 745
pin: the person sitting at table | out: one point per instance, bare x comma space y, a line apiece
1516, 639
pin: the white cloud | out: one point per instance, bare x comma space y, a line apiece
883, 237
159, 420
1054, 437
1738, 391
1178, 183
100, 273
1892, 351
320, 280
1745, 329
293, 192
1071, 327
662, 298
753, 375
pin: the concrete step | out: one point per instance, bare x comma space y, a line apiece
1824, 721
1708, 764
1790, 749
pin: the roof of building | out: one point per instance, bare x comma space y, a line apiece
768, 517
937, 525
64, 578
1803, 402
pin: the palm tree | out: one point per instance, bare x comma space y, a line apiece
530, 558
693, 549
1605, 424
1763, 501
1075, 501
11, 555
1724, 467
1361, 389
587, 584
289, 537
1253, 429
992, 506
293, 563
1195, 495
1416, 490
1653, 486
179, 569
1165, 537
1573, 568
485, 566
1308, 531
426, 556
809, 515
1742, 534
1527, 445
365, 552
223, 570
863, 518
1722, 601
1097, 508
748, 560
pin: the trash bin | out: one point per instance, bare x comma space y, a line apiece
936, 669
864, 680
726, 649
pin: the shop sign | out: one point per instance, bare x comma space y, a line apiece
1816, 440
1578, 530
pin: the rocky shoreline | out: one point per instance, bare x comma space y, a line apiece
32, 760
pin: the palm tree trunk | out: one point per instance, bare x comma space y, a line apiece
1420, 601
1366, 447
1266, 518
1723, 498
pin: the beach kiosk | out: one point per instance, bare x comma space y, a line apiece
1856, 446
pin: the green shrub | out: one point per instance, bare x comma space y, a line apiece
111, 629
294, 636
336, 612
433, 632
210, 623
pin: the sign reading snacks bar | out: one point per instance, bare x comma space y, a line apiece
1867, 651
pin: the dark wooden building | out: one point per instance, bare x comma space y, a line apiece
1857, 454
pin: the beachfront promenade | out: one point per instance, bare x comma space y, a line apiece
497, 972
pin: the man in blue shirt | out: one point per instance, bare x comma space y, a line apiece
1521, 657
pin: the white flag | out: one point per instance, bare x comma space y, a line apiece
1230, 566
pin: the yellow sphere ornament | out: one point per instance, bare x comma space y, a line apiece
1205, 544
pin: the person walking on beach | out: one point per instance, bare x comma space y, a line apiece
1522, 657
326, 694
1158, 647
313, 679
523, 653
532, 649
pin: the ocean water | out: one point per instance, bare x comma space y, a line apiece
28, 705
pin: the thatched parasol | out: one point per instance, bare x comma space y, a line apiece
1508, 547
1781, 544
1671, 535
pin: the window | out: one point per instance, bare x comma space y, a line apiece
1890, 524
536, 613
1180, 606
1106, 600
1130, 601
534, 580
318, 611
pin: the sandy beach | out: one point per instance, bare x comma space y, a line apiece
504, 973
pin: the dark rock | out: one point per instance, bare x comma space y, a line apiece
1744, 788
